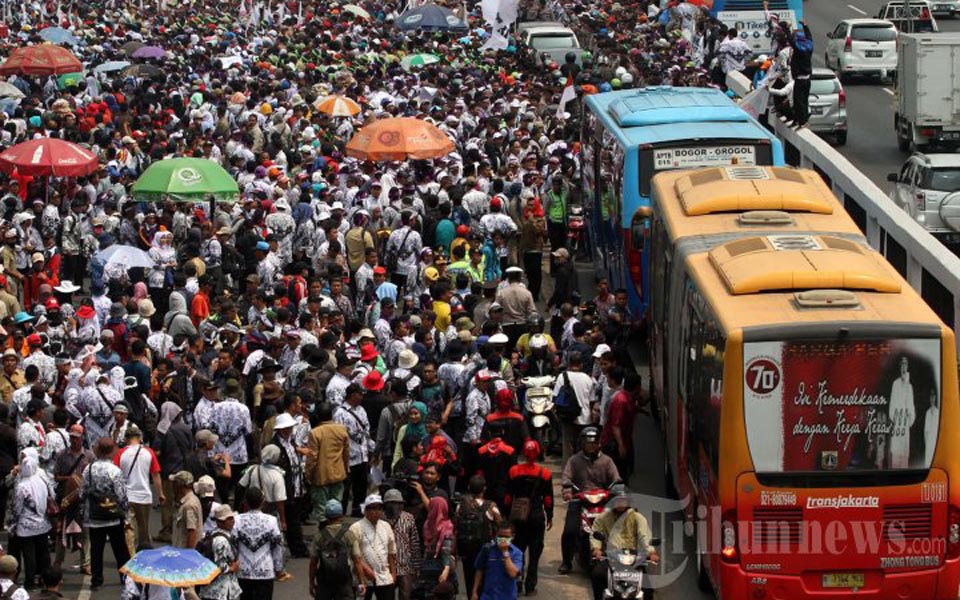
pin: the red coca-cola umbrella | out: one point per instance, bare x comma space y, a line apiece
48, 156
45, 59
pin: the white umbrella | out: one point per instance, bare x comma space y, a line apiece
426, 93
126, 256
113, 65
8, 90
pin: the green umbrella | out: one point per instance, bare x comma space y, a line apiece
418, 60
189, 179
68, 79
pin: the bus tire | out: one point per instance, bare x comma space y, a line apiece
703, 577
668, 484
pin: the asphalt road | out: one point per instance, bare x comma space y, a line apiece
647, 486
871, 143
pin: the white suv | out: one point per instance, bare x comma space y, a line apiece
862, 47
928, 188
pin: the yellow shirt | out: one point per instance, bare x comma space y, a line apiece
523, 344
442, 310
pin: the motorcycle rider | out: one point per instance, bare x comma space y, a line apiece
587, 469
535, 327
623, 528
540, 360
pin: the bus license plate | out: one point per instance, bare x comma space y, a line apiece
843, 580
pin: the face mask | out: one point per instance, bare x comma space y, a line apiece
502, 540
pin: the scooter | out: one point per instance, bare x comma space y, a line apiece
576, 231
626, 572
538, 406
592, 504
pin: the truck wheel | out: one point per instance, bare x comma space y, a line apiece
841, 138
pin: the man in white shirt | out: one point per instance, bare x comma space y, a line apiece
375, 551
584, 387
259, 548
140, 468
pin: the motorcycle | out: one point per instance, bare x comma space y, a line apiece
592, 504
538, 406
576, 231
626, 572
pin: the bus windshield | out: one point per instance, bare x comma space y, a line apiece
830, 406
700, 154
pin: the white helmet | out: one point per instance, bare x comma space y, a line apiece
626, 78
620, 71
538, 341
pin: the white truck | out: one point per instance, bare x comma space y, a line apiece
928, 91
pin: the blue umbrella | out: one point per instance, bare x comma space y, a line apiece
171, 567
59, 35
111, 66
430, 17
126, 256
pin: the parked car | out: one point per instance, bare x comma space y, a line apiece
919, 19
862, 47
928, 188
828, 106
945, 8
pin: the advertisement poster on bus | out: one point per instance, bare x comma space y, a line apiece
754, 25
842, 405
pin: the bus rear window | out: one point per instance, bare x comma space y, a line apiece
842, 406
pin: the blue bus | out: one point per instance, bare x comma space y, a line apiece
751, 21
630, 135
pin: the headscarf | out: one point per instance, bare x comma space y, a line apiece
270, 454
140, 292
30, 478
438, 526
117, 375
169, 412
418, 430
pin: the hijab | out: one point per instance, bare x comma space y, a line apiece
31, 480
169, 412
438, 526
140, 292
418, 430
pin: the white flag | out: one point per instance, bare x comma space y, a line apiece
569, 93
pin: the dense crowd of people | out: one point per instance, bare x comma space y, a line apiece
346, 343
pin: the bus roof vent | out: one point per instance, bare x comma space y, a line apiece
737, 189
745, 173
666, 105
827, 299
800, 263
765, 217
794, 242
841, 244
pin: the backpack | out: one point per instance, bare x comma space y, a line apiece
8, 595
333, 559
205, 545
473, 527
566, 402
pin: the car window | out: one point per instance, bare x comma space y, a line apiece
825, 86
841, 31
874, 33
545, 42
942, 180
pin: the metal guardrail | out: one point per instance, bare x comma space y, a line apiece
931, 269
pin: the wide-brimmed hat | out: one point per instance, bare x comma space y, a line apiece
373, 381
67, 287
145, 308
408, 359
284, 421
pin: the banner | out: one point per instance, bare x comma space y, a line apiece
842, 406
500, 15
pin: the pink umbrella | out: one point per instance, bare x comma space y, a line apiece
150, 52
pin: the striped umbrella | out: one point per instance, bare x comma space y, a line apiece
338, 106
418, 60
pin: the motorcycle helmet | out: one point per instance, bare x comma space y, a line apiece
590, 434
627, 79
615, 83
538, 341
531, 450
535, 321
570, 57
620, 71
605, 87
505, 399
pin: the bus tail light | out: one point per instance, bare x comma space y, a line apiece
848, 45
728, 537
953, 532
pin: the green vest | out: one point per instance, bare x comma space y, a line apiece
558, 207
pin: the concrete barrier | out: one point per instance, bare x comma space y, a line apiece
923, 261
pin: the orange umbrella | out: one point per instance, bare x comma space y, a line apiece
338, 106
45, 59
399, 139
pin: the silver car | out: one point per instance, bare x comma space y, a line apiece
828, 106
945, 8
928, 189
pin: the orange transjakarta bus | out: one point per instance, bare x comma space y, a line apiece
808, 394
